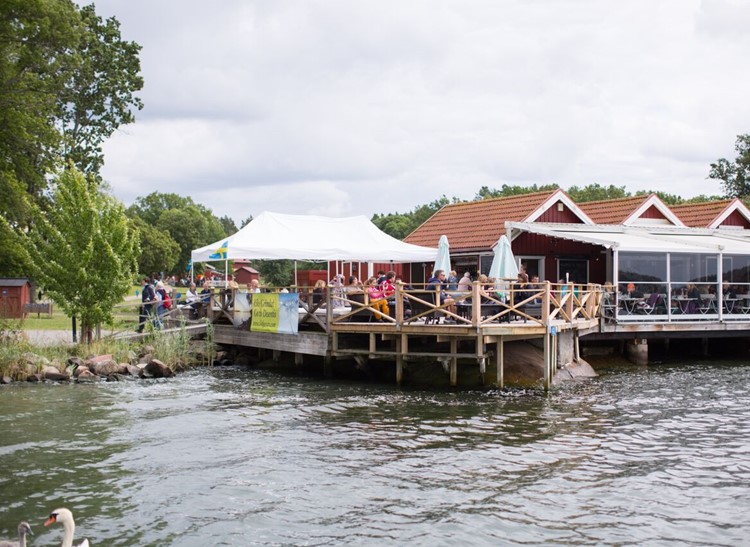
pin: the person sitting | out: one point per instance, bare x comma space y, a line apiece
464, 284
437, 285
337, 289
253, 286
520, 288
193, 301
318, 293
354, 286
377, 299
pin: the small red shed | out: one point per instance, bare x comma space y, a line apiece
14, 294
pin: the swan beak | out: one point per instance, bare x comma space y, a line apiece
51, 520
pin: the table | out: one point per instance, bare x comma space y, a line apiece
630, 303
731, 305
684, 303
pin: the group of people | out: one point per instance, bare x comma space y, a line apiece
155, 303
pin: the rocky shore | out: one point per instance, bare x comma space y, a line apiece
36, 368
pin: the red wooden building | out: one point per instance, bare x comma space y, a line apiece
14, 294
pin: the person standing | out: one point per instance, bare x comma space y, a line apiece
147, 303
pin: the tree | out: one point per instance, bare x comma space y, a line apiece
509, 190
735, 176
228, 225
276, 273
596, 192
189, 224
99, 91
191, 228
247, 221
60, 68
82, 249
159, 252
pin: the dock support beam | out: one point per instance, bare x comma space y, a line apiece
328, 366
500, 362
399, 362
454, 362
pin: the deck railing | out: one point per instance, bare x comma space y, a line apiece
483, 305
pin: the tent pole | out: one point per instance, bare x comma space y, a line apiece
295, 274
226, 273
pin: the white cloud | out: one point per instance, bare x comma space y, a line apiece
340, 108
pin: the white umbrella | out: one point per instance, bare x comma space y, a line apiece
443, 260
503, 265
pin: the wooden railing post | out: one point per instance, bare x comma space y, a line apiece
476, 304
399, 295
545, 302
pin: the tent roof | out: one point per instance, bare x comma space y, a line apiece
300, 237
644, 239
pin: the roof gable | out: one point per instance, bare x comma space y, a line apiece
711, 214
477, 225
630, 211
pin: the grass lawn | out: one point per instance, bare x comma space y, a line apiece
126, 315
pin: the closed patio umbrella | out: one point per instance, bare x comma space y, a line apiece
503, 265
443, 260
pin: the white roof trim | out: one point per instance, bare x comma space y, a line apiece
735, 205
559, 195
641, 238
653, 200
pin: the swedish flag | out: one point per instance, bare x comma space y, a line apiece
221, 252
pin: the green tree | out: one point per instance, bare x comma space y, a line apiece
734, 177
99, 91
512, 190
83, 249
276, 273
596, 192
191, 228
159, 252
669, 199
247, 221
228, 225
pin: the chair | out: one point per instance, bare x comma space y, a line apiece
419, 309
363, 314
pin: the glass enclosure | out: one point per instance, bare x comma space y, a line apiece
681, 286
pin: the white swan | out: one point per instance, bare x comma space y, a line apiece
65, 517
23, 529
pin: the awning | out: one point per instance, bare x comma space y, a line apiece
640, 239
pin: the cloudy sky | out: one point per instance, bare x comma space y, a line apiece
344, 107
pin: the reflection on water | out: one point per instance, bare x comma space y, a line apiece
231, 457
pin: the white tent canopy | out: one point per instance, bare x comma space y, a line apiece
273, 236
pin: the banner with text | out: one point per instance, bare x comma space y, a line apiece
275, 312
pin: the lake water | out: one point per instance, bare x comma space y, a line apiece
224, 456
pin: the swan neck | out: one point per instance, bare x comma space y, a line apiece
69, 529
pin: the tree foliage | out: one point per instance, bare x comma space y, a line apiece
596, 192
159, 252
400, 225
734, 176
66, 82
512, 190
190, 225
99, 91
82, 249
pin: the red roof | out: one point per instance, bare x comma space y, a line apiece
700, 215
476, 224
612, 211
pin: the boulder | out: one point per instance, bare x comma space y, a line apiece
157, 369
109, 367
134, 370
75, 361
34, 378
49, 369
85, 376
145, 350
79, 370
91, 362
144, 359
56, 376
6, 380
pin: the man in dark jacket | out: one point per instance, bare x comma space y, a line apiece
147, 303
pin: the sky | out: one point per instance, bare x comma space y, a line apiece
344, 107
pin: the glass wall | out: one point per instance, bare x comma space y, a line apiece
682, 286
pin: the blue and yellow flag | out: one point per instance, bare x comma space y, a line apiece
221, 252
